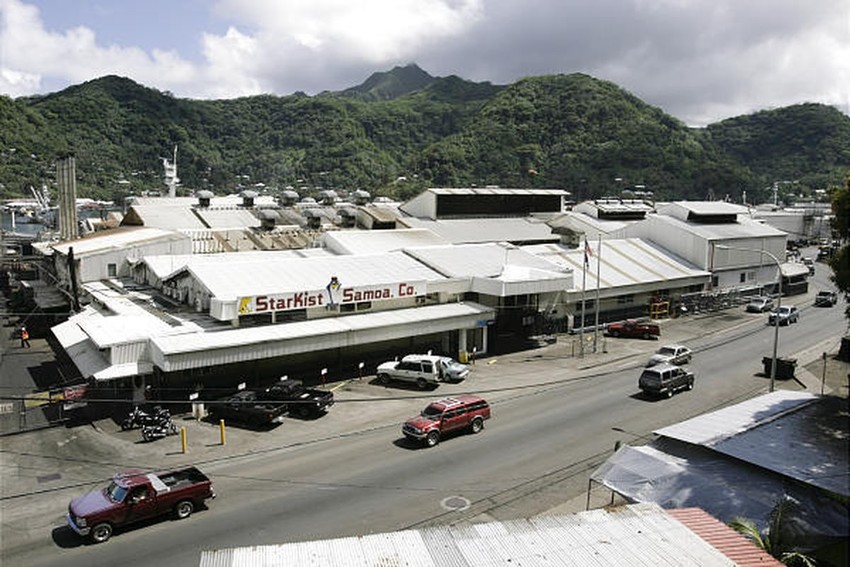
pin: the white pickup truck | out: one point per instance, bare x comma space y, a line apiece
422, 370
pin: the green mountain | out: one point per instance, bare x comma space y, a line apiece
403, 130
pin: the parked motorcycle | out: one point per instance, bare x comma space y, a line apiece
158, 430
139, 417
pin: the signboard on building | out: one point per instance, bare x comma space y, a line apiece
334, 294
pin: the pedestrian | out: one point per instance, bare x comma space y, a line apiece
25, 338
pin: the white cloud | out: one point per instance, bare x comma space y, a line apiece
699, 60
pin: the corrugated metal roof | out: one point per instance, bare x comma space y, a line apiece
470, 231
228, 218
165, 265
169, 217
481, 260
703, 208
623, 262
709, 428
379, 241
732, 544
585, 224
495, 191
278, 274
773, 432
117, 238
638, 535
744, 228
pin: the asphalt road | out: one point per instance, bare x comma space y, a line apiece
555, 419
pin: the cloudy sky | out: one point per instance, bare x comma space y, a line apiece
698, 60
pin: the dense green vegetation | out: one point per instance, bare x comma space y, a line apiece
403, 130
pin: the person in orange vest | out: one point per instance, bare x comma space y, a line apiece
25, 338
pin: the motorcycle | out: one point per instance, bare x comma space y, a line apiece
139, 417
159, 430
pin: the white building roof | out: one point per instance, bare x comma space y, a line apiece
163, 266
482, 260
622, 262
468, 231
590, 226
115, 239
744, 228
640, 534
277, 274
684, 209
379, 241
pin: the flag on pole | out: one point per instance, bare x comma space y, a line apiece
587, 253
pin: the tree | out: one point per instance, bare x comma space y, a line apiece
777, 539
840, 261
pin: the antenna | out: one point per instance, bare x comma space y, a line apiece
171, 178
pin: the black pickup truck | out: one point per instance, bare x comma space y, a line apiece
250, 408
302, 401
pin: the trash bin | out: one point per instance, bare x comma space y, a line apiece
784, 366
463, 357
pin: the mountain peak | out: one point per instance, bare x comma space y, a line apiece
388, 85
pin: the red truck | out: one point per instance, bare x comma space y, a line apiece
633, 328
133, 496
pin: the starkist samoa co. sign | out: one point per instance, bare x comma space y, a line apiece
334, 294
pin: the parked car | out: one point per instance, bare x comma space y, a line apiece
826, 299
665, 380
785, 315
422, 370
134, 496
671, 354
302, 401
759, 305
633, 328
449, 415
810, 264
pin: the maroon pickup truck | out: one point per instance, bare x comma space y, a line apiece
134, 496
633, 328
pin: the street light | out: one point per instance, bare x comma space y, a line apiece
778, 305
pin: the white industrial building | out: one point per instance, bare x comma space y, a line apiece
453, 285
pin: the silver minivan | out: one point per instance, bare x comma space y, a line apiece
665, 379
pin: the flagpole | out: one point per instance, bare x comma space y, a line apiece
596, 302
581, 329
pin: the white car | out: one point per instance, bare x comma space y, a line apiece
671, 354
423, 370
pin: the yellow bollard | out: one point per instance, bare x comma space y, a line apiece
183, 438
223, 437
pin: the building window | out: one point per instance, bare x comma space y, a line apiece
715, 281
111, 270
364, 306
743, 277
626, 299
346, 308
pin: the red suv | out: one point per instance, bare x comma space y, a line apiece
445, 416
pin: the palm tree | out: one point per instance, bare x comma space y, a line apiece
775, 541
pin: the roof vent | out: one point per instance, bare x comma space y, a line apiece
289, 198
361, 197
347, 216
268, 219
204, 198
328, 197
248, 198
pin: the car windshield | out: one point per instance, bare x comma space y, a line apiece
116, 492
432, 412
667, 350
